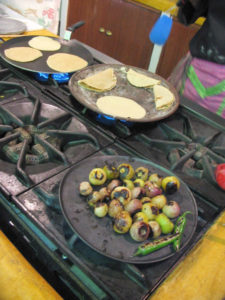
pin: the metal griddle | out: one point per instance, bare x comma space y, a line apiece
98, 233
40, 65
123, 88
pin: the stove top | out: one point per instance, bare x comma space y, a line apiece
44, 132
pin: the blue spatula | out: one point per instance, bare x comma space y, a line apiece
158, 36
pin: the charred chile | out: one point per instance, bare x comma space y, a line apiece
179, 229
150, 247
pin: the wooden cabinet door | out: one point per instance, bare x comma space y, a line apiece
88, 12
120, 29
97, 30
133, 44
176, 47
115, 27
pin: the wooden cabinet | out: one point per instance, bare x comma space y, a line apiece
121, 29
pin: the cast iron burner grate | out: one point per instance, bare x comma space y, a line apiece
189, 147
38, 139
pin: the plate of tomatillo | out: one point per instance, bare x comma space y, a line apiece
128, 209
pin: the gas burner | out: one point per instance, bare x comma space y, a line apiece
3, 72
38, 139
57, 77
12, 89
110, 121
190, 150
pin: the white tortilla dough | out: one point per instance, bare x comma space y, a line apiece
120, 107
44, 43
139, 80
100, 82
22, 54
66, 63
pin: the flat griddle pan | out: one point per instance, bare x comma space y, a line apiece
123, 88
40, 65
98, 232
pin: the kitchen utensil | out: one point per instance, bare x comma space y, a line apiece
11, 26
123, 88
158, 36
98, 232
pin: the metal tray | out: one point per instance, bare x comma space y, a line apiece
98, 233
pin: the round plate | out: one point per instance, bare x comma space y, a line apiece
123, 88
40, 65
97, 232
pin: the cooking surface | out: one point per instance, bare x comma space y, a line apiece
123, 88
38, 138
40, 65
98, 233
188, 143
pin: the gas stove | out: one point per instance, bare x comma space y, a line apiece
44, 132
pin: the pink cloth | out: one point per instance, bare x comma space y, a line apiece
209, 74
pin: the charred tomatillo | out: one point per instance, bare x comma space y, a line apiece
97, 176
170, 184
126, 171
122, 222
140, 216
121, 193
128, 183
165, 224
101, 209
141, 173
150, 210
111, 172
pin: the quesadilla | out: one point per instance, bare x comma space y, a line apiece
100, 82
163, 97
139, 80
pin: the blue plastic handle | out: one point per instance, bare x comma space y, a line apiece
161, 29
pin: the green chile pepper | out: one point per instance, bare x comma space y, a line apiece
150, 247
179, 228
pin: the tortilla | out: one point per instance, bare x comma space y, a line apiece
100, 82
163, 97
120, 107
140, 80
22, 54
66, 63
44, 43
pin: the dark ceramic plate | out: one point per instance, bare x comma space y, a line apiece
98, 233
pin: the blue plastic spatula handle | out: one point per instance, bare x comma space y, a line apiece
161, 29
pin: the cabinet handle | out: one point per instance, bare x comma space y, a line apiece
101, 29
108, 32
